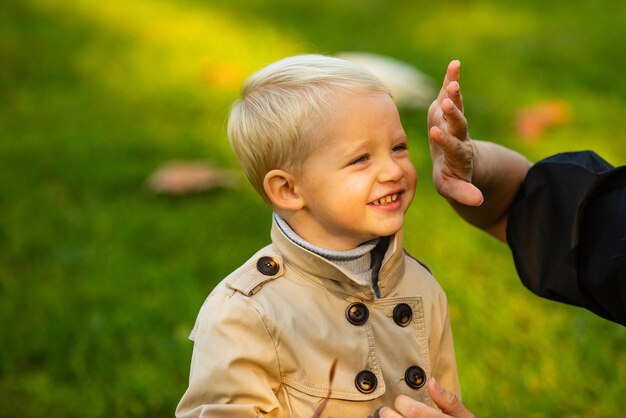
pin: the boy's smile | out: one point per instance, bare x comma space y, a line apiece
386, 200
358, 182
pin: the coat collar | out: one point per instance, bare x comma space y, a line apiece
324, 273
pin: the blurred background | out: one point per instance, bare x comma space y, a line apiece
101, 278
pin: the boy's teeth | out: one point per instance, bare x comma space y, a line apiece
386, 200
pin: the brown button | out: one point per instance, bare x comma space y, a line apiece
357, 313
415, 377
402, 314
267, 266
366, 381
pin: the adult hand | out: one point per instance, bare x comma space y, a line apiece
451, 148
448, 402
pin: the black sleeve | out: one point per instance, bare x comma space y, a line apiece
567, 233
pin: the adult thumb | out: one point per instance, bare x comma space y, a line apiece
447, 401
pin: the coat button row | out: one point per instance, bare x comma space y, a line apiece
357, 314
366, 381
267, 266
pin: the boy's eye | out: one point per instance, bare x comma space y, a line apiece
400, 147
361, 159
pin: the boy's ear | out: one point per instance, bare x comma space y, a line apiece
280, 187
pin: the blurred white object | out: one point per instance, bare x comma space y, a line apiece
410, 88
185, 177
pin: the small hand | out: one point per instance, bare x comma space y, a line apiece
448, 402
451, 148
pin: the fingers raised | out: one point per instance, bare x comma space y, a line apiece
460, 191
457, 124
449, 144
449, 90
454, 93
453, 72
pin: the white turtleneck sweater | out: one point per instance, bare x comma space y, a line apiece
364, 261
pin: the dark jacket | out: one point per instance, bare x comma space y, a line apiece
567, 232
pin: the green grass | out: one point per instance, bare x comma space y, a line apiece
100, 280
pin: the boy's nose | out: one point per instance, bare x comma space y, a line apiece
391, 171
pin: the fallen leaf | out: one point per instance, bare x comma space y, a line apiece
322, 405
180, 177
532, 122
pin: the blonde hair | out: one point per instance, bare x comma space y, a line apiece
271, 126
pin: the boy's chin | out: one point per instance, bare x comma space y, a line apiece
391, 230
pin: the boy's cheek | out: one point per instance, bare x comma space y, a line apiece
413, 180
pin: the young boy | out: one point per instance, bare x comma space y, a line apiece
321, 140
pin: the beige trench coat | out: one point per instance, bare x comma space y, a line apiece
266, 337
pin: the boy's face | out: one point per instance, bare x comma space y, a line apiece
358, 183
